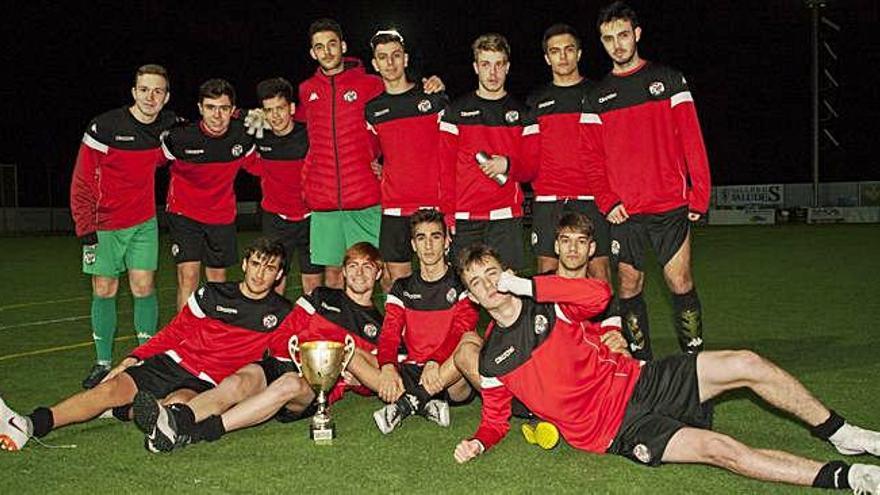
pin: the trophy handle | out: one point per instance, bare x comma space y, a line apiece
293, 349
349, 351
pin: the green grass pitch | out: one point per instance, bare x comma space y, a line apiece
804, 296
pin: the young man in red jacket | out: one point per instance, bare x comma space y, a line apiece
112, 200
647, 165
541, 349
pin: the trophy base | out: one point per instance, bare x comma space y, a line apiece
322, 435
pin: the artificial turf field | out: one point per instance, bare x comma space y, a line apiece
804, 296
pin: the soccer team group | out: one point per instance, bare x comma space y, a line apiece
368, 170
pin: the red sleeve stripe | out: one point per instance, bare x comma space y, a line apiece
682, 97
94, 144
392, 299
590, 118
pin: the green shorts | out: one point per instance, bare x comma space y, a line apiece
332, 232
133, 248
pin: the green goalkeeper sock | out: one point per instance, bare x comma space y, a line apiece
146, 316
103, 327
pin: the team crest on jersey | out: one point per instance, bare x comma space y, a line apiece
656, 88
371, 330
534, 238
540, 324
89, 257
350, 96
424, 106
269, 321
451, 295
237, 150
512, 116
175, 249
642, 453
615, 247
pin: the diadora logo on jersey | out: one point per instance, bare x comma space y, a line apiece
471, 113
656, 88
540, 324
642, 453
176, 249
451, 295
545, 104
224, 309
379, 113
123, 138
193, 151
330, 308
511, 116
371, 330
237, 150
424, 106
265, 149
615, 247
269, 321
350, 96
608, 97
313, 96
504, 355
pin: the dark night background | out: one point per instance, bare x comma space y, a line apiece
748, 64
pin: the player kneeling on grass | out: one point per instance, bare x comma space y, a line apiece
431, 311
223, 326
541, 350
273, 386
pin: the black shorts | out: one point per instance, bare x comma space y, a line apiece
273, 368
666, 399
394, 239
213, 245
160, 376
546, 215
665, 233
295, 238
411, 373
506, 236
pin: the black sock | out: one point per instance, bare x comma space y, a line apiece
209, 430
43, 421
688, 321
835, 474
829, 427
122, 412
636, 329
410, 374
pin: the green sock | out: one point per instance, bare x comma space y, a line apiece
146, 317
103, 327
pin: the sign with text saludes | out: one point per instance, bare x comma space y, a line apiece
750, 195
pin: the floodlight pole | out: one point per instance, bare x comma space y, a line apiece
815, 6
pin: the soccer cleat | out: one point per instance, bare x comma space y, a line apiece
98, 372
157, 423
388, 418
541, 433
852, 440
437, 411
864, 479
13, 429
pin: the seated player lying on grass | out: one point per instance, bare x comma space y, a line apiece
223, 326
431, 311
652, 412
273, 386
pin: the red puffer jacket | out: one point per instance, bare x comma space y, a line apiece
336, 174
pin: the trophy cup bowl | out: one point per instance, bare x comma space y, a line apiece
320, 363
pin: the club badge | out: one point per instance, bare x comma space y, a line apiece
512, 116
350, 96
424, 106
237, 150
540, 324
269, 321
642, 453
451, 295
89, 256
656, 88
371, 330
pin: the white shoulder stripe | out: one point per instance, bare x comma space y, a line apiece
94, 144
306, 305
560, 314
194, 306
531, 129
253, 148
489, 382
682, 97
392, 299
450, 128
167, 151
463, 295
613, 321
590, 118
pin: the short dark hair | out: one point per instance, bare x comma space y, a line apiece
269, 248
154, 69
276, 86
617, 11
386, 36
215, 88
577, 222
477, 253
325, 24
556, 30
426, 216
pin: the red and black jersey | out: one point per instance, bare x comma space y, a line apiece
552, 360
218, 331
279, 164
430, 316
203, 171
407, 127
557, 110
497, 127
113, 184
641, 142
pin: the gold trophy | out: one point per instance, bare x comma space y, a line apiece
320, 363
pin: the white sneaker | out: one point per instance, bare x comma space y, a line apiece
437, 411
852, 440
388, 418
864, 479
13, 429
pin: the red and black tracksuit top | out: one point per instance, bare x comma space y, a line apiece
337, 172
557, 111
279, 164
497, 127
113, 184
409, 137
203, 171
218, 331
431, 317
642, 145
552, 359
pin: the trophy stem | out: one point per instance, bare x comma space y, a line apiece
322, 429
